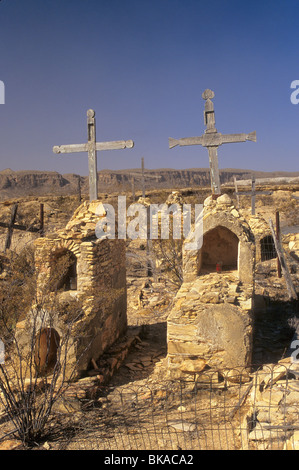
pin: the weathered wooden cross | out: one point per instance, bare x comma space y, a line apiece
91, 147
11, 226
212, 140
143, 177
253, 193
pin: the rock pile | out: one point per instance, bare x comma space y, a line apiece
83, 223
175, 198
292, 242
271, 419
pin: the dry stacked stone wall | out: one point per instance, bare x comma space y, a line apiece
97, 284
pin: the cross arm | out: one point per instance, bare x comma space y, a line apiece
253, 193
20, 227
231, 138
70, 148
138, 175
115, 145
212, 139
185, 141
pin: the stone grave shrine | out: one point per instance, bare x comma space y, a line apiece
210, 324
94, 278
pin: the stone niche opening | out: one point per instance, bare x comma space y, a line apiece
220, 247
63, 270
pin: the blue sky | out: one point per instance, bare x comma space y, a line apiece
142, 66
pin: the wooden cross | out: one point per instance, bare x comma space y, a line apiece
11, 226
212, 140
136, 176
92, 147
251, 193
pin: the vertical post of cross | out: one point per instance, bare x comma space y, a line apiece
278, 236
236, 191
142, 177
133, 188
92, 156
253, 193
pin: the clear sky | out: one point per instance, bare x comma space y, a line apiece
142, 65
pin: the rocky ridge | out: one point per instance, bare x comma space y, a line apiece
30, 183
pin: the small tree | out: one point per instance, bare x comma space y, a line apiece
167, 256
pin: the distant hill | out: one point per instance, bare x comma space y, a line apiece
39, 183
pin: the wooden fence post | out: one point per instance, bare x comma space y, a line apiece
41, 219
278, 236
11, 227
290, 287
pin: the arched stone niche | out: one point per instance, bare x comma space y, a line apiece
220, 247
63, 270
226, 237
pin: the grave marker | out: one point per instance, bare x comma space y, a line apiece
212, 139
11, 226
136, 176
253, 193
92, 147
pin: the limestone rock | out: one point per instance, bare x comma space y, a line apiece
224, 199
293, 442
235, 213
192, 366
208, 201
182, 426
210, 297
175, 198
